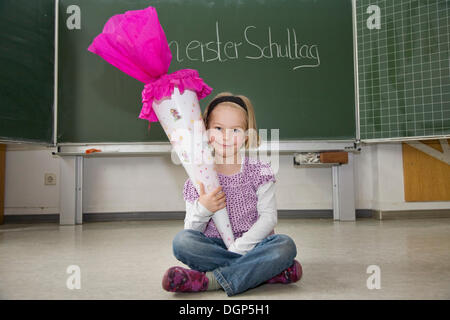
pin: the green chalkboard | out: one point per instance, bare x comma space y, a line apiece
293, 59
27, 70
403, 68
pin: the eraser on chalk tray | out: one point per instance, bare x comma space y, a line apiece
93, 150
334, 157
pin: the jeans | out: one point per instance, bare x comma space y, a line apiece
236, 273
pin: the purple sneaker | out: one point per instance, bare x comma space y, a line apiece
290, 275
178, 279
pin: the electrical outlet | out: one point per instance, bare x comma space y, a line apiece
50, 179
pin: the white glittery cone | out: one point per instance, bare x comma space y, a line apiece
181, 120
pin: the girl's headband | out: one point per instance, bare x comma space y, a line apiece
234, 99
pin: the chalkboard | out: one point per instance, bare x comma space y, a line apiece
403, 68
293, 59
27, 70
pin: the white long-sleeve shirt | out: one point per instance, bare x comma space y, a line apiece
197, 218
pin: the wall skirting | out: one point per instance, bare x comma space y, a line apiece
179, 215
410, 214
168, 215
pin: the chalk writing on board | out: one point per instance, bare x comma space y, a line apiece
302, 55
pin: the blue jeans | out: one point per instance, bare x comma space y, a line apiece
236, 273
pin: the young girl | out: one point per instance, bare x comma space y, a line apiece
247, 189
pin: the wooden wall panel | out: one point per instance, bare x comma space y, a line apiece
426, 172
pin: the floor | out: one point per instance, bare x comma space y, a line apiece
126, 260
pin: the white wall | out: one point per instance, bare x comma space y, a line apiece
154, 183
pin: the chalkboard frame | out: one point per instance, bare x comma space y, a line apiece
357, 94
348, 143
31, 52
352, 98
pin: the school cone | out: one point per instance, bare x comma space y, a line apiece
182, 122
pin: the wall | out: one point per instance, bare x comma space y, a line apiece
154, 183
388, 181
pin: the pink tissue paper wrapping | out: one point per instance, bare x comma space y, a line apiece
135, 43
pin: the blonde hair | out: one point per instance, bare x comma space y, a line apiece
251, 130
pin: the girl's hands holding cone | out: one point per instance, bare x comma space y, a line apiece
213, 201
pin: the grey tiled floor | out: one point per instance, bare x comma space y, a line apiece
126, 260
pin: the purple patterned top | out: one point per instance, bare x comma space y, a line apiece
240, 191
